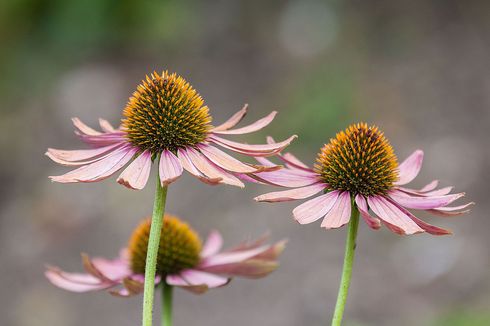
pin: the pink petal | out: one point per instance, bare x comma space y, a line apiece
315, 208
136, 175
116, 269
210, 170
430, 186
293, 194
234, 120
99, 170
232, 257
177, 280
195, 277
189, 167
451, 210
252, 150
339, 215
75, 282
286, 178
226, 161
169, 168
372, 222
429, 228
106, 126
83, 128
422, 202
439, 192
103, 139
257, 125
390, 213
212, 245
410, 168
79, 157
291, 161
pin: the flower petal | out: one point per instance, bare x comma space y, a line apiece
80, 157
106, 126
252, 150
136, 175
189, 167
75, 282
410, 168
210, 170
99, 170
234, 120
451, 210
232, 257
293, 194
226, 161
83, 128
212, 245
422, 202
371, 221
195, 277
339, 215
315, 208
286, 178
257, 125
169, 168
390, 213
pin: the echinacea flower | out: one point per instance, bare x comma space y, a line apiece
182, 261
359, 166
164, 120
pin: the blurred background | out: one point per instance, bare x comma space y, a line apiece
417, 69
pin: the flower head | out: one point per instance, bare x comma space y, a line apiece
182, 261
358, 167
165, 120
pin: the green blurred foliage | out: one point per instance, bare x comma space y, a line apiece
464, 318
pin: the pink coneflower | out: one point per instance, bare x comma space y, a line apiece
165, 120
182, 262
359, 165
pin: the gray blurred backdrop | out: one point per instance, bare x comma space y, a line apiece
418, 69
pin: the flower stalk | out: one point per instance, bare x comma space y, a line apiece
151, 256
167, 300
350, 247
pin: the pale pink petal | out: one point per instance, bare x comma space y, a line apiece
315, 208
302, 172
210, 170
212, 245
410, 168
234, 120
430, 186
116, 269
429, 228
226, 161
251, 268
99, 170
371, 221
103, 139
78, 156
189, 167
388, 212
169, 168
177, 280
83, 128
195, 277
257, 125
286, 178
293, 194
451, 210
106, 126
232, 257
422, 202
252, 150
291, 161
75, 282
339, 215
439, 192
136, 175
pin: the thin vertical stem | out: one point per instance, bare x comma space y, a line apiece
350, 247
167, 297
152, 252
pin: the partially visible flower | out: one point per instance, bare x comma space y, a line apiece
359, 166
182, 261
165, 120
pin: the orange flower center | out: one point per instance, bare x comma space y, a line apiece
359, 160
165, 112
179, 249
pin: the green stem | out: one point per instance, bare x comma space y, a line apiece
152, 252
350, 247
167, 304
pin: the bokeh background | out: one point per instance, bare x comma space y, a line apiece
418, 69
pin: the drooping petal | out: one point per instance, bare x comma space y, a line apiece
257, 125
75, 282
80, 157
226, 161
371, 221
177, 280
210, 170
451, 210
195, 277
252, 150
131, 288
422, 202
291, 161
293, 194
169, 168
83, 128
115, 269
315, 208
106, 126
430, 186
212, 245
136, 175
410, 168
189, 167
388, 212
232, 257
99, 170
234, 120
285, 178
429, 228
339, 215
